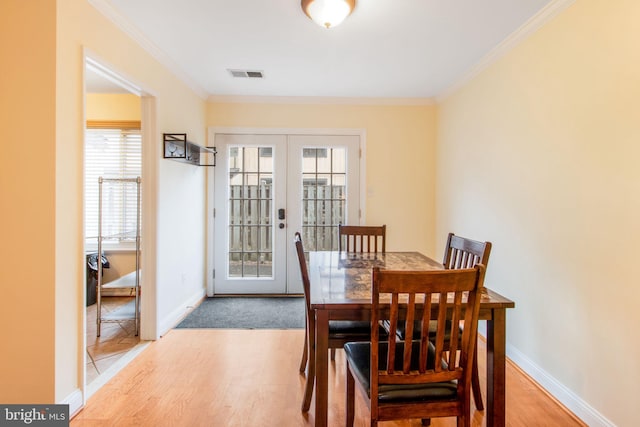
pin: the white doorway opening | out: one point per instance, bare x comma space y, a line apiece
100, 78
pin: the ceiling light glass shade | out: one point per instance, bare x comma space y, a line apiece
328, 13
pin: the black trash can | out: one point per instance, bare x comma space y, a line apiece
92, 276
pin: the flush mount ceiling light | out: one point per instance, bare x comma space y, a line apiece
328, 13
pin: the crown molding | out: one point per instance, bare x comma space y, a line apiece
545, 15
132, 31
318, 100
99, 67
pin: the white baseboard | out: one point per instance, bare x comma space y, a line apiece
564, 395
75, 402
568, 398
173, 318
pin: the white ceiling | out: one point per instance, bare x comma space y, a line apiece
385, 49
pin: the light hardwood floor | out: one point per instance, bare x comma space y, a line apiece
215, 377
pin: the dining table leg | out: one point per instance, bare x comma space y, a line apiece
496, 368
322, 367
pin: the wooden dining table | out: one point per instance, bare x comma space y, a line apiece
341, 290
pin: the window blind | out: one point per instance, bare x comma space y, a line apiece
112, 153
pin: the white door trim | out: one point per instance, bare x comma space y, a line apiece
211, 137
150, 161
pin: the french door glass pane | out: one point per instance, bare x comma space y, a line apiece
250, 212
323, 197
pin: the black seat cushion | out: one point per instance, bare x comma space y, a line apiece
359, 357
352, 328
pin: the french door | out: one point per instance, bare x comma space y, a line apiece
267, 187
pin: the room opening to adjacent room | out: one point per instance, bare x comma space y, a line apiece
112, 222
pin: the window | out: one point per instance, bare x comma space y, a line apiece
112, 150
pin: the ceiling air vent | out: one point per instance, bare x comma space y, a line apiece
247, 73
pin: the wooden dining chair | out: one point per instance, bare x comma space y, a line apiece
362, 238
426, 378
340, 331
460, 252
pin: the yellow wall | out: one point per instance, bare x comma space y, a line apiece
400, 144
545, 145
27, 190
109, 106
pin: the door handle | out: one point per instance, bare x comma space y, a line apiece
281, 214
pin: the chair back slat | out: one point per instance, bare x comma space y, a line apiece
362, 238
441, 330
424, 333
454, 332
412, 294
411, 310
393, 315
